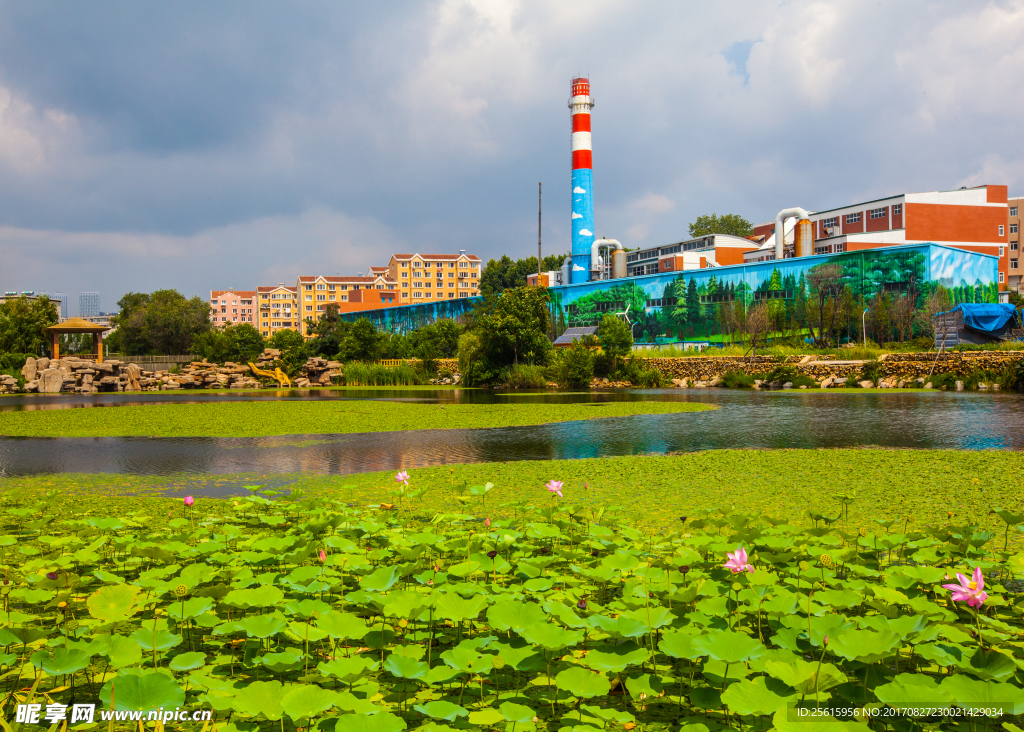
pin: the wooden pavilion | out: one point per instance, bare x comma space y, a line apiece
77, 325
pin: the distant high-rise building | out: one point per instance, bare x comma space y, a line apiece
88, 304
62, 296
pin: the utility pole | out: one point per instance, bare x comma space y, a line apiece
539, 260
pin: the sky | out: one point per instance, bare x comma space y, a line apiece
199, 146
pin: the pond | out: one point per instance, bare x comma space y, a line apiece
744, 419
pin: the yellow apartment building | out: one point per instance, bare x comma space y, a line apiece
347, 293
278, 309
433, 277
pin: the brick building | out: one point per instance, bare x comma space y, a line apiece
435, 277
974, 219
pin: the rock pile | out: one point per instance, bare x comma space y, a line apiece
317, 372
52, 376
205, 375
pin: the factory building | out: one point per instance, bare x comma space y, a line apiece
973, 219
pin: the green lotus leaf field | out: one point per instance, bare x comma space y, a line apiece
360, 603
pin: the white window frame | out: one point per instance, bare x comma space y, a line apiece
1002, 230
1013, 228
897, 209
879, 213
853, 218
1013, 264
1013, 211
1000, 278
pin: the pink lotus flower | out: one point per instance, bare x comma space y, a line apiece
554, 486
487, 522
972, 590
170, 514
189, 500
402, 477
738, 561
323, 556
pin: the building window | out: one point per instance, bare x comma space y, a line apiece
451, 294
853, 218
321, 297
830, 223
897, 209
878, 213
330, 288
1013, 246
1013, 264
1013, 228
1000, 278
1013, 211
309, 308
309, 287
1001, 229
463, 264
1001, 251
417, 264
417, 294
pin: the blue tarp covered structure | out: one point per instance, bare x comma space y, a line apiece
990, 317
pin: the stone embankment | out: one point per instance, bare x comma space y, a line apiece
318, 372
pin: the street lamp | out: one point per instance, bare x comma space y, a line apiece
863, 327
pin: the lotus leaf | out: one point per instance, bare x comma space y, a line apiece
342, 625
550, 637
161, 640
142, 692
512, 615
516, 713
348, 670
442, 710
866, 646
261, 698
113, 603
762, 695
58, 661
306, 701
582, 682
263, 626
404, 667
728, 646
970, 693
805, 676
381, 579
452, 607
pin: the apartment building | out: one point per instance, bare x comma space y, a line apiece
348, 294
232, 306
974, 219
278, 308
434, 277
1014, 272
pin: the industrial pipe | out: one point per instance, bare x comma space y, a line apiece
780, 230
596, 263
567, 270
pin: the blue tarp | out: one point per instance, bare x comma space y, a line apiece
989, 317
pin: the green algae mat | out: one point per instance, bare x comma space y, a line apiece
517, 597
263, 419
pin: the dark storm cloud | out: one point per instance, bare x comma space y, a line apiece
207, 145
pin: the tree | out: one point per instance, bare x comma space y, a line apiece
239, 343
293, 347
513, 328
506, 273
22, 322
758, 322
725, 224
439, 339
362, 342
163, 322
616, 339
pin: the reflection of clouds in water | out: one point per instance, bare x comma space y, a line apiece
755, 420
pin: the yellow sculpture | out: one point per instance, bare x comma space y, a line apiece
277, 374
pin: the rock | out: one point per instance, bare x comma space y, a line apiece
928, 385
827, 382
803, 386
50, 381
840, 381
996, 387
865, 384
29, 369
86, 379
959, 386
715, 381
678, 383
42, 364
982, 387
788, 385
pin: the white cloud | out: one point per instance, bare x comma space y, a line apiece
577, 189
636, 234
653, 203
585, 232
30, 138
576, 215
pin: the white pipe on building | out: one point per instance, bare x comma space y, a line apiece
780, 231
596, 263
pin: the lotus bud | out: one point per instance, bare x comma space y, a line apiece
487, 522
189, 500
826, 640
323, 556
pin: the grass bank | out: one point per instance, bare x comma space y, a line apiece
263, 419
655, 490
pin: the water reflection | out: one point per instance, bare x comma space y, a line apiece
765, 420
